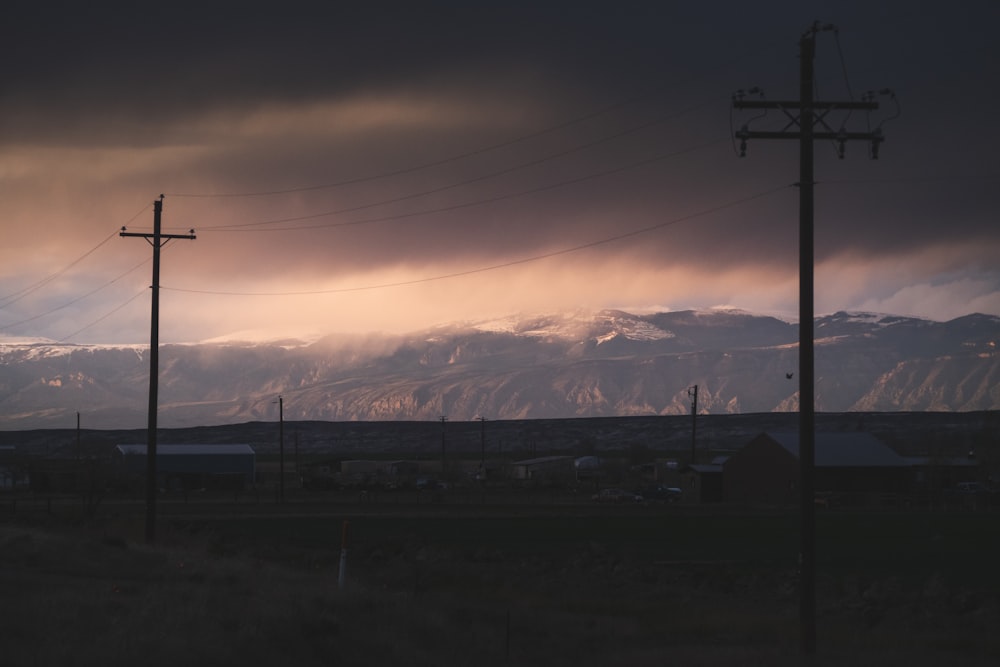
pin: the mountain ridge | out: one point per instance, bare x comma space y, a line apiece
608, 363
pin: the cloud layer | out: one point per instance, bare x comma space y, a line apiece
387, 168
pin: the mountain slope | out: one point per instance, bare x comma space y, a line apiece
609, 363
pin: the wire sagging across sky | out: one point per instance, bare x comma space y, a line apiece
503, 265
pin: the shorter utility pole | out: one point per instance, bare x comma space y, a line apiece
295, 436
482, 445
693, 394
157, 240
443, 444
281, 450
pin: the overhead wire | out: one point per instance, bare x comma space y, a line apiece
464, 205
104, 316
451, 186
34, 287
503, 265
119, 306
20, 294
77, 299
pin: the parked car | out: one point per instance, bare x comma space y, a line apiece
662, 493
617, 496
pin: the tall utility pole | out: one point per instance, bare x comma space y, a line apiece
807, 126
157, 239
693, 393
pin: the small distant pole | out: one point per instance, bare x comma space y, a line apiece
693, 393
281, 450
443, 420
79, 452
482, 444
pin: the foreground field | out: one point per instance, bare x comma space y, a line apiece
493, 586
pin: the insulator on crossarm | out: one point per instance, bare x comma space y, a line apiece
877, 139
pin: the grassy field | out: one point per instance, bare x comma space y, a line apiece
526, 585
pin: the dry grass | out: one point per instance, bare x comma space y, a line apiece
93, 596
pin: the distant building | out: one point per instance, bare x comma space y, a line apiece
852, 465
192, 466
702, 483
544, 468
588, 468
934, 475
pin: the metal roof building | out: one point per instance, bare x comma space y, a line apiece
767, 469
543, 468
192, 465
843, 450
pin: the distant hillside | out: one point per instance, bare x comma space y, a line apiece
950, 434
602, 364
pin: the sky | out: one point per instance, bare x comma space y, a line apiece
386, 167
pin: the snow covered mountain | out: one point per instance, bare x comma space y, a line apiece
543, 366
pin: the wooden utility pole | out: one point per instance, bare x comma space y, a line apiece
157, 239
281, 450
443, 419
807, 126
482, 445
693, 393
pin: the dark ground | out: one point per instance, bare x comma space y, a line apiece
552, 582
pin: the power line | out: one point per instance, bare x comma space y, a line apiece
908, 181
451, 186
443, 209
20, 294
79, 298
104, 316
503, 265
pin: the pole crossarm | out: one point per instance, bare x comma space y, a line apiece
833, 136
816, 113
162, 237
796, 104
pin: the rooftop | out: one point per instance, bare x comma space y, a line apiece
843, 450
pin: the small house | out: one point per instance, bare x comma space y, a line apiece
702, 482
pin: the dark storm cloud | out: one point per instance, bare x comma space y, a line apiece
148, 64
103, 107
